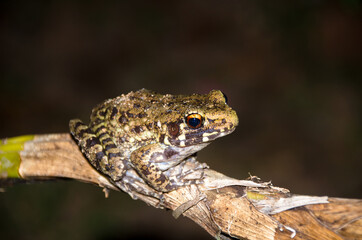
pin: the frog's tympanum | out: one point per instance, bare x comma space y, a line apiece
152, 133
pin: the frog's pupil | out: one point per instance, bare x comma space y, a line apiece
194, 122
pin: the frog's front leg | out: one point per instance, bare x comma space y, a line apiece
153, 163
189, 169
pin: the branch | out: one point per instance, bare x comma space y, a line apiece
226, 208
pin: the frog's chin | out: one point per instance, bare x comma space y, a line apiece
189, 150
179, 154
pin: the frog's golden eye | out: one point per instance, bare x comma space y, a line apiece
194, 120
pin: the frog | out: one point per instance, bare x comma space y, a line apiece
153, 134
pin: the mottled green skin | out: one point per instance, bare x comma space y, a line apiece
148, 132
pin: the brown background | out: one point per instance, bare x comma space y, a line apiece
292, 71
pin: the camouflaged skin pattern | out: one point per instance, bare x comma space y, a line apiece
152, 133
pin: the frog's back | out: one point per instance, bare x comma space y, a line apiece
129, 119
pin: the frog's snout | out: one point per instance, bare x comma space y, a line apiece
234, 118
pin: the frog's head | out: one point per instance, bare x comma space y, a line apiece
200, 120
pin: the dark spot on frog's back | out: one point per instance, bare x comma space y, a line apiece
101, 135
102, 113
170, 104
114, 112
137, 129
136, 105
91, 142
123, 118
107, 140
141, 115
99, 129
130, 115
149, 126
110, 146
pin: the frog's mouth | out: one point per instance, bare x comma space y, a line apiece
207, 137
200, 137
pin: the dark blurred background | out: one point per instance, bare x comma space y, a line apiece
292, 71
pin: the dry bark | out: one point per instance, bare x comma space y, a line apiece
226, 208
